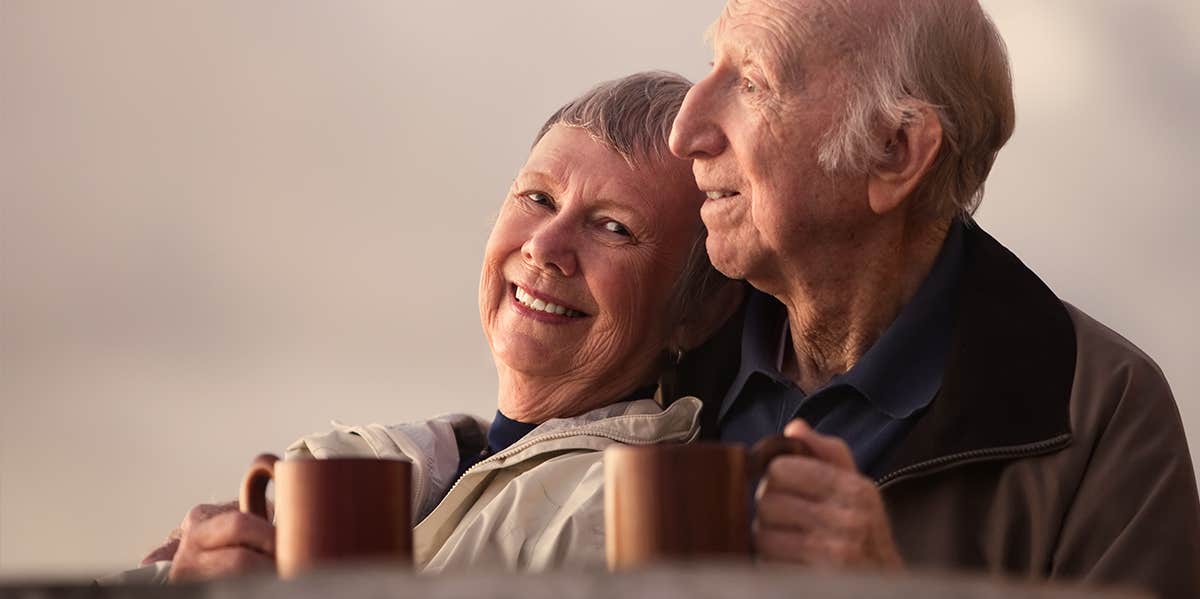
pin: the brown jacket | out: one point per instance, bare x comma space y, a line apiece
1054, 449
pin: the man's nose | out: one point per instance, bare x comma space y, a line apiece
697, 132
551, 248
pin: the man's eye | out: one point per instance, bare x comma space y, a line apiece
749, 86
616, 227
539, 198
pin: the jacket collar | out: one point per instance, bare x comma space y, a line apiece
642, 421
639, 422
1008, 377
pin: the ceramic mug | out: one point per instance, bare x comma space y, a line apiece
669, 503
334, 510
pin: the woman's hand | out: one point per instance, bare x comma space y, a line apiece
200, 513
216, 540
226, 543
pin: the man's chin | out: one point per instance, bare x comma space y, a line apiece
729, 257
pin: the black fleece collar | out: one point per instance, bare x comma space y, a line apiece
1010, 370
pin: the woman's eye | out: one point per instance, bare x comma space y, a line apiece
613, 226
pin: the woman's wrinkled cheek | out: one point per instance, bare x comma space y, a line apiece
491, 295
613, 339
602, 346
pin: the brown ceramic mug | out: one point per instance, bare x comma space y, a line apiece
335, 510
665, 503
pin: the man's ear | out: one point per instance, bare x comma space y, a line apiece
911, 150
706, 318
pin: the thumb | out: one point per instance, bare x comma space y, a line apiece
797, 428
826, 448
164, 552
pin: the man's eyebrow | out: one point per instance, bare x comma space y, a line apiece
745, 54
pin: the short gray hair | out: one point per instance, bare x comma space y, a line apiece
945, 55
633, 116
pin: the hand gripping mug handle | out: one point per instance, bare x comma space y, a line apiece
769, 448
253, 498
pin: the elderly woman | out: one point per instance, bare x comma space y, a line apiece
594, 281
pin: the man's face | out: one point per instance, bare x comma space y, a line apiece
753, 126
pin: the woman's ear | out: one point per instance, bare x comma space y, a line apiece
911, 150
708, 316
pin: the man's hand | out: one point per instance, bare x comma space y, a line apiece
819, 510
228, 543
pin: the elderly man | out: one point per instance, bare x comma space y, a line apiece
960, 415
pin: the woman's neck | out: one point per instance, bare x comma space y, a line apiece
536, 399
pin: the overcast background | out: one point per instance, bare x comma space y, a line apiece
224, 223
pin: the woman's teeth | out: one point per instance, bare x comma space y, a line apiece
542, 306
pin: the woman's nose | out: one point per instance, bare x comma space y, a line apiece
551, 249
697, 132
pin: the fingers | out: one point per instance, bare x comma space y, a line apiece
199, 513
810, 478
819, 510
164, 552
202, 512
227, 561
799, 547
226, 544
824, 447
788, 512
791, 528
234, 529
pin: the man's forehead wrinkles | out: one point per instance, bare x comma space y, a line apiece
795, 20
764, 32
788, 15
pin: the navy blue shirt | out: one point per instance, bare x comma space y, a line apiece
872, 405
503, 433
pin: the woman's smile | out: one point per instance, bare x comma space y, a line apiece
542, 307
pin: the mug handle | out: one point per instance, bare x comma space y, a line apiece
253, 498
769, 448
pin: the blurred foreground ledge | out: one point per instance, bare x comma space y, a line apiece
675, 582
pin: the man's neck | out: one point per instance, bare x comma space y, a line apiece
841, 298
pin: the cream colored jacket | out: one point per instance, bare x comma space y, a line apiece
537, 505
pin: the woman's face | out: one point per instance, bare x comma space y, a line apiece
578, 272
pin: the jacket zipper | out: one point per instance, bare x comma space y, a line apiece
973, 456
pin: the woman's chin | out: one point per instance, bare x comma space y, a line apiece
530, 357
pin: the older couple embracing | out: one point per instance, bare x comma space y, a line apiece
960, 414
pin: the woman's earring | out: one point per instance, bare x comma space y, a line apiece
668, 378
